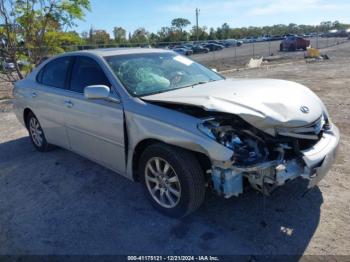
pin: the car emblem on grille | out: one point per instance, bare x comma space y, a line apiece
304, 109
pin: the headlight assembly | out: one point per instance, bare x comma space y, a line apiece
248, 149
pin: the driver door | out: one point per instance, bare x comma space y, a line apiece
94, 127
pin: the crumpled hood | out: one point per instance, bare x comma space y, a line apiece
264, 103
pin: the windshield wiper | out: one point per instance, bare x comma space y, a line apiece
202, 82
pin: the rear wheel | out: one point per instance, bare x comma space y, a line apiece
173, 180
36, 134
281, 47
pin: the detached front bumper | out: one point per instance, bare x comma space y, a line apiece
320, 158
313, 164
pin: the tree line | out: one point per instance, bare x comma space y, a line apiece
178, 31
33, 29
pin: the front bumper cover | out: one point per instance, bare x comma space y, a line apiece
314, 164
320, 158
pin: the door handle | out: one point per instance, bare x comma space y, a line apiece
68, 103
34, 94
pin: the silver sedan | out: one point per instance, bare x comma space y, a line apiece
176, 126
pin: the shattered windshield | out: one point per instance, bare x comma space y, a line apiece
151, 73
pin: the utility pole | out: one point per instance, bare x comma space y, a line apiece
197, 31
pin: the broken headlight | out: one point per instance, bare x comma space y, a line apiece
248, 149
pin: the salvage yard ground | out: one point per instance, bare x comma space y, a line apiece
237, 57
61, 203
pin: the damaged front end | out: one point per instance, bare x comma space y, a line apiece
268, 161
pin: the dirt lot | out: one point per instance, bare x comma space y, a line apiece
61, 203
237, 57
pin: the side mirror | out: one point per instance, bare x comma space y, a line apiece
99, 92
215, 70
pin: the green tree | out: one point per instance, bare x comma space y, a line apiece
59, 42
212, 35
165, 34
29, 24
140, 35
119, 34
99, 37
202, 33
336, 25
225, 28
180, 23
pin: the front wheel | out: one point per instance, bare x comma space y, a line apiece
173, 180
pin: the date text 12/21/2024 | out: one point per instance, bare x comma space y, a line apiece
173, 258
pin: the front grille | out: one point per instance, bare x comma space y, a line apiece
306, 136
304, 144
312, 131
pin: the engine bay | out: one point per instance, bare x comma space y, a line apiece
265, 161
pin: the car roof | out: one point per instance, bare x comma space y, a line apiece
120, 51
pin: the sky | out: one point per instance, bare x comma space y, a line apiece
153, 14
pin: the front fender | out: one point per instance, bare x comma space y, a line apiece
171, 127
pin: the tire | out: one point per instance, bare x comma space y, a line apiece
36, 134
184, 176
281, 47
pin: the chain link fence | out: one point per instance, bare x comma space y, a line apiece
225, 59
239, 56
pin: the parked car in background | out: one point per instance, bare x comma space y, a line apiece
288, 35
7, 64
262, 38
276, 37
213, 47
197, 49
214, 42
231, 42
179, 128
188, 46
293, 43
23, 63
145, 46
249, 39
183, 51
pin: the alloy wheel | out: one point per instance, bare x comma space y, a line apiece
36, 132
162, 182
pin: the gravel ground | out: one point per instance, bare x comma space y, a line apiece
61, 203
238, 57
5, 90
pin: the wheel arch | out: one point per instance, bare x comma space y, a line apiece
203, 159
26, 112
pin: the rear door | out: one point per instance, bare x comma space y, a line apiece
48, 96
94, 127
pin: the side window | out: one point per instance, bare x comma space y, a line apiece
55, 72
86, 72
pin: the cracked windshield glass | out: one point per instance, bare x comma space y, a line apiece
151, 73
